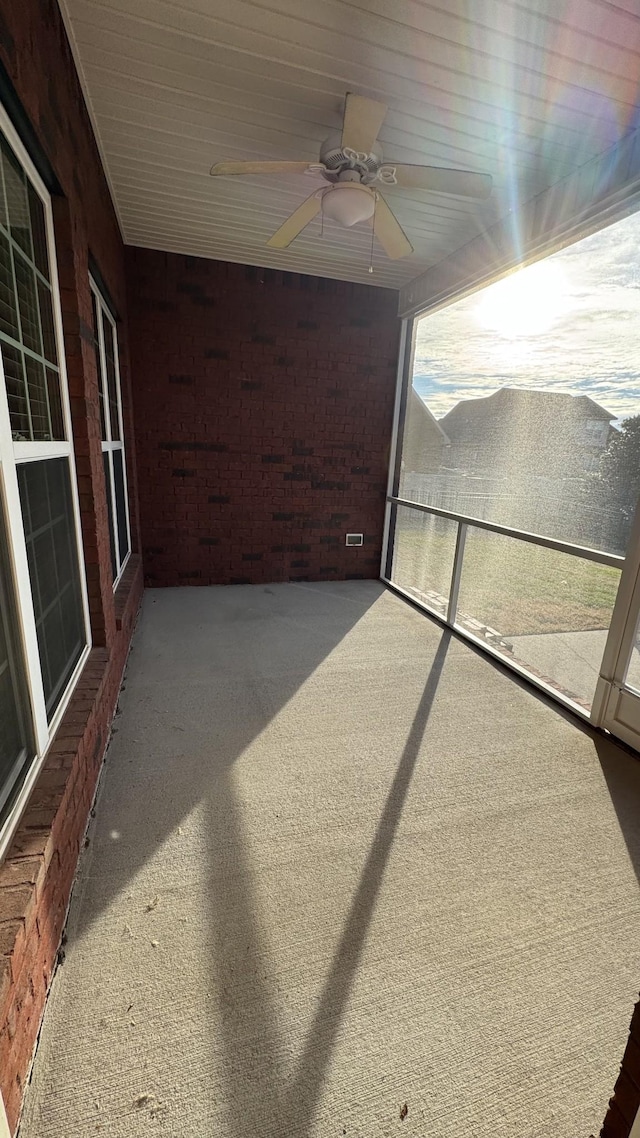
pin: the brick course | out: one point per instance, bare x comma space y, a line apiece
263, 420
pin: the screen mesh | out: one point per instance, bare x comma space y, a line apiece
47, 511
13, 737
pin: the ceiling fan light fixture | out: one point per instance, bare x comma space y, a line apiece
348, 203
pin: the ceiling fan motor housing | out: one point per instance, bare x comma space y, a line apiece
338, 160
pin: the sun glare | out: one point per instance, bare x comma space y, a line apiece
526, 303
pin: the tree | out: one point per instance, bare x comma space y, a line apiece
619, 473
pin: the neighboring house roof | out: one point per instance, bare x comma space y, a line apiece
417, 408
424, 439
471, 415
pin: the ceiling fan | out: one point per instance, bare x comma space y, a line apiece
352, 162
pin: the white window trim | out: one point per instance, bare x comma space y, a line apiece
34, 452
13, 454
109, 445
4, 1125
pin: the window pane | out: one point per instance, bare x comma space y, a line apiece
28, 304
15, 185
423, 552
101, 378
547, 611
46, 321
35, 506
45, 494
38, 399
55, 404
8, 303
121, 508
108, 486
26, 310
113, 456
4, 217
16, 386
13, 736
111, 378
38, 233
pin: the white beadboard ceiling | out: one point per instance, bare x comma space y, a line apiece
525, 91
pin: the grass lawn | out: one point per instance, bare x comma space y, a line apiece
514, 587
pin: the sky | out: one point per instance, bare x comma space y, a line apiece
569, 323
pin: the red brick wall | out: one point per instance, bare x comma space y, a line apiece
263, 404
625, 1103
36, 878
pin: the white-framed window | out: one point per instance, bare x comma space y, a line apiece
44, 613
112, 434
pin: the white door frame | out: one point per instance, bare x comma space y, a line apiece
615, 706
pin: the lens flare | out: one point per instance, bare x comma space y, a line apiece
526, 303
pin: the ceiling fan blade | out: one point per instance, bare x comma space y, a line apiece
229, 167
361, 124
389, 232
294, 224
464, 183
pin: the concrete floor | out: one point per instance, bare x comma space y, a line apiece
341, 864
570, 659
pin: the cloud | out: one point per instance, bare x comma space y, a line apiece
592, 348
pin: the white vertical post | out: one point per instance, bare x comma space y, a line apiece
405, 354
620, 639
456, 573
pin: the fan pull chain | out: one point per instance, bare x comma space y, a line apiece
373, 233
